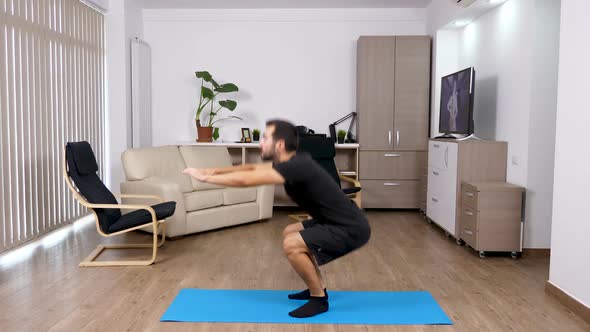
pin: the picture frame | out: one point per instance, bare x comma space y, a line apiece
246, 135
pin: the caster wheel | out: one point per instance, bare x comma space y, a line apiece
459, 242
447, 234
482, 254
429, 221
514, 255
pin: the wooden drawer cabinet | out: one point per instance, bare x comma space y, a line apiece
491, 217
404, 194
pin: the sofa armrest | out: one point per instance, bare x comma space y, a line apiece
168, 191
265, 198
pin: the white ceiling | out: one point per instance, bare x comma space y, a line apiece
285, 3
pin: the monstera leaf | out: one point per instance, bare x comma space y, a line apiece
206, 77
229, 104
207, 93
227, 87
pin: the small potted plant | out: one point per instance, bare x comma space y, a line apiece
341, 135
256, 135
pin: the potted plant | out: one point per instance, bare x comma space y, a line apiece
210, 89
256, 135
341, 135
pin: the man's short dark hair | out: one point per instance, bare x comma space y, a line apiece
286, 131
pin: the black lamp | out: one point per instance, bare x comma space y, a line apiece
349, 136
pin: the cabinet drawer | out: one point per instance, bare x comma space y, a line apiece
437, 154
468, 218
375, 165
469, 226
393, 194
442, 155
469, 196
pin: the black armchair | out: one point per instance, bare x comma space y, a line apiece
80, 170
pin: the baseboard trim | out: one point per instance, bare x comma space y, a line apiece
538, 253
569, 302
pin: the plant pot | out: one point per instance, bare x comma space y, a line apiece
205, 134
340, 140
256, 138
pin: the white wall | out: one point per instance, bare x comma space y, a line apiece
446, 60
100, 4
570, 266
116, 121
543, 109
513, 49
499, 46
122, 21
298, 63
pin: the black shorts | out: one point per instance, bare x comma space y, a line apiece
328, 242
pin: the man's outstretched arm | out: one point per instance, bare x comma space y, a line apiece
237, 168
250, 178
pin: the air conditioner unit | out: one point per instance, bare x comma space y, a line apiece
463, 3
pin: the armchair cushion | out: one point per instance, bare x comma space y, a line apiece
80, 160
349, 191
141, 217
83, 158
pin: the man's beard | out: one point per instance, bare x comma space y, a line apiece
267, 157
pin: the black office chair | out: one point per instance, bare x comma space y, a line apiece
80, 169
323, 151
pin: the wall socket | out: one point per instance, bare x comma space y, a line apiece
515, 160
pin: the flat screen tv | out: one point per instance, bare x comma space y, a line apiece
456, 103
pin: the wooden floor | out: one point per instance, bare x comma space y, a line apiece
50, 292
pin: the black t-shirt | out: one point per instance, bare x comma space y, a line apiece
314, 190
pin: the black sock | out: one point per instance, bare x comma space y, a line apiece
304, 295
315, 305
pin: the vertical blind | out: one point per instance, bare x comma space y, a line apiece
51, 92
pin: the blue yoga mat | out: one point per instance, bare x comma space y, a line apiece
273, 306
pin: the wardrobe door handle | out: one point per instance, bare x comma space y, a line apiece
389, 137
468, 213
469, 194
392, 155
435, 173
434, 200
397, 136
436, 146
447, 157
468, 232
391, 184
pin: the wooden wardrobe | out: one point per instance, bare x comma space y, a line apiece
393, 97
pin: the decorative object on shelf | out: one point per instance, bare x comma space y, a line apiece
246, 137
207, 97
341, 136
256, 135
350, 138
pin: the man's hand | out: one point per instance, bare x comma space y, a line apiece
200, 174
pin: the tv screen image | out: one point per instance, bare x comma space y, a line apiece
456, 103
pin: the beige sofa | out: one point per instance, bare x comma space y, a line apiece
199, 206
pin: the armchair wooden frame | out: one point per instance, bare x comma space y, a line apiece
356, 198
90, 260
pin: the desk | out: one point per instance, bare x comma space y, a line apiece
347, 161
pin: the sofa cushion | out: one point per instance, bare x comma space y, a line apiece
163, 162
203, 199
204, 220
205, 157
233, 196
